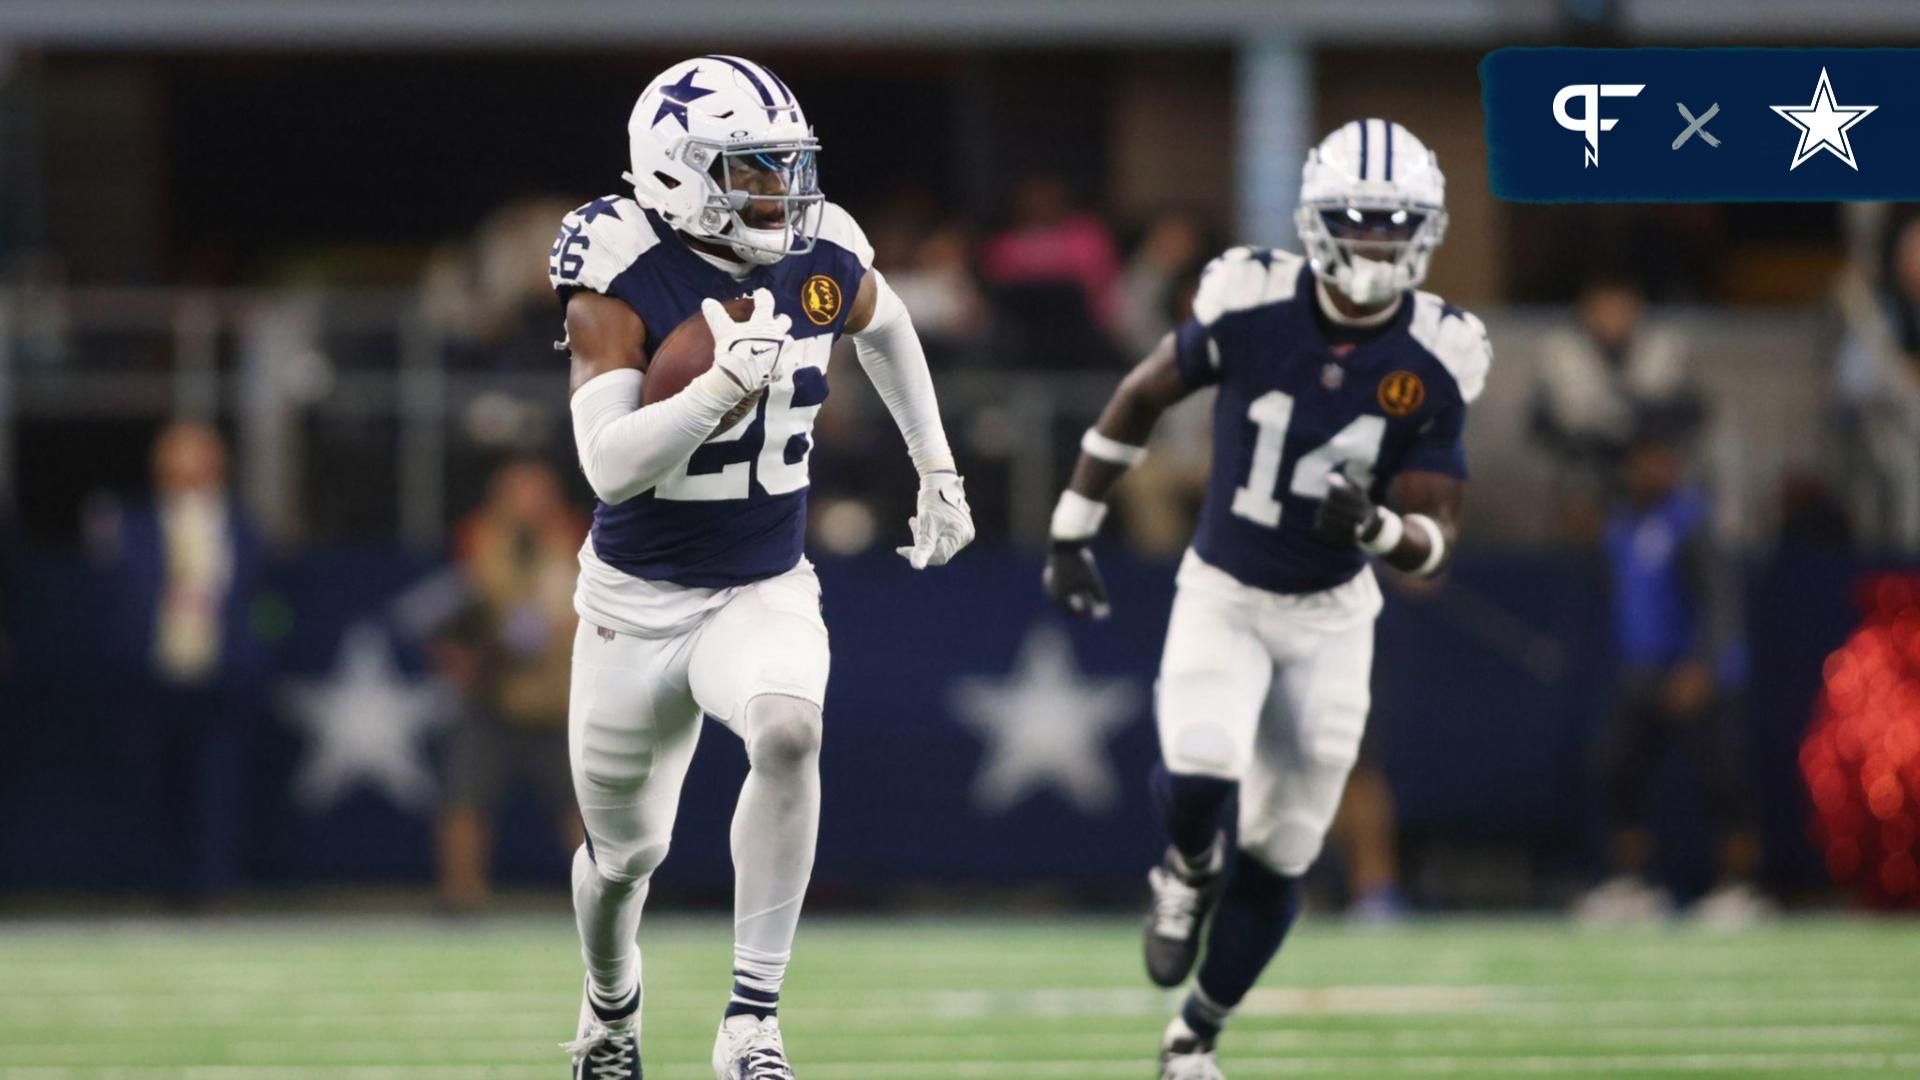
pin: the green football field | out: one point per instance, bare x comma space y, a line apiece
901, 999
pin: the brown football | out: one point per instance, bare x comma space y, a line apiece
686, 353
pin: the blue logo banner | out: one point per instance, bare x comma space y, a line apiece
1702, 125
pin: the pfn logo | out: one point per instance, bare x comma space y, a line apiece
1589, 122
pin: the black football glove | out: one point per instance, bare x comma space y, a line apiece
1073, 581
1346, 516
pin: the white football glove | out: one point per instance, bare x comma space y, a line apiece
944, 524
749, 352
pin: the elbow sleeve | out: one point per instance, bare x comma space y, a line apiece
625, 448
890, 352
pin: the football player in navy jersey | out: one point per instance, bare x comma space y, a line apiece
694, 594
1342, 394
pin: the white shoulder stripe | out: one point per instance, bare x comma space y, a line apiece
1244, 278
1457, 340
838, 227
598, 242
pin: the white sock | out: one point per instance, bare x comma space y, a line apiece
775, 826
608, 915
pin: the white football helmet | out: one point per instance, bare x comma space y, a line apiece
722, 151
1372, 210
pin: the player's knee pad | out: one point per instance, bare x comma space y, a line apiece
783, 733
1292, 844
1203, 748
625, 871
1288, 830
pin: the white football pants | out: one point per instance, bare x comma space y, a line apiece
1271, 691
757, 664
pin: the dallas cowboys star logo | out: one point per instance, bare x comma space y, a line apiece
676, 96
366, 724
1046, 727
1823, 125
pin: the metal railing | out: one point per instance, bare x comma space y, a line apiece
357, 397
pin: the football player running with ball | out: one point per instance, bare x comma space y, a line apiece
1341, 389
694, 595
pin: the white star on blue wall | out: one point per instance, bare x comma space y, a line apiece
366, 724
1046, 726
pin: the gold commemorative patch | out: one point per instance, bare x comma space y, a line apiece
820, 299
1401, 393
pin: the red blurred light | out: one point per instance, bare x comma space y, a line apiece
1861, 756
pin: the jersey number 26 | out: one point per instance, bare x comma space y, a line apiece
777, 476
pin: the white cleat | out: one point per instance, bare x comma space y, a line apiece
1186, 1056
1623, 900
749, 1048
1733, 907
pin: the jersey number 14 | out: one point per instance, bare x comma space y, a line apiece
1357, 444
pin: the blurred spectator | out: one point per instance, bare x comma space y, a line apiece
936, 283
1368, 835
510, 654
1055, 273
1160, 497
186, 569
1150, 306
1678, 635
1877, 387
1597, 384
489, 294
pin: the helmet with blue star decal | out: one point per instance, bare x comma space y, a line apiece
1373, 208
722, 151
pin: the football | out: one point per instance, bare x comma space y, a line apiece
685, 354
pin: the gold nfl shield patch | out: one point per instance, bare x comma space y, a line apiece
1401, 393
820, 299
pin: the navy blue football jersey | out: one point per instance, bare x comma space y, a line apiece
736, 511
1293, 408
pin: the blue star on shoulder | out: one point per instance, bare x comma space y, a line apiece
594, 209
677, 96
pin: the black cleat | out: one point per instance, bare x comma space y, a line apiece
1182, 900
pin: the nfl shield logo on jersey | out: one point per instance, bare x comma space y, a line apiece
1332, 376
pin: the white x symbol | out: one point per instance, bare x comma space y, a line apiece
1697, 127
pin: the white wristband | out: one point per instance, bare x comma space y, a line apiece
1436, 544
1388, 538
1111, 451
1076, 517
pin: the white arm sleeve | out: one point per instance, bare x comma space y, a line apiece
626, 448
891, 355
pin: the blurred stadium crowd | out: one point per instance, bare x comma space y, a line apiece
265, 374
